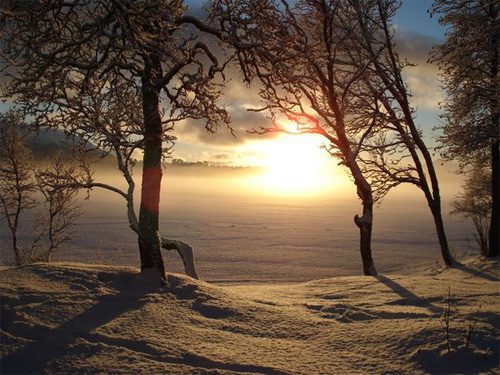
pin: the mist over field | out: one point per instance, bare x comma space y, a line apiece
242, 232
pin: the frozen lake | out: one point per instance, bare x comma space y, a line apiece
242, 233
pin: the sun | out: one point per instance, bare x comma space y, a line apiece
296, 165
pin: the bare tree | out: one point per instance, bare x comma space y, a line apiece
151, 49
20, 179
17, 183
401, 155
305, 76
61, 208
106, 116
338, 58
469, 59
474, 202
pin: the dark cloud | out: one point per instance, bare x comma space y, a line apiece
414, 46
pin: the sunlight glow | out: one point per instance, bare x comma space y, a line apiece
297, 165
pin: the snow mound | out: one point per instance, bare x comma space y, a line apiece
73, 318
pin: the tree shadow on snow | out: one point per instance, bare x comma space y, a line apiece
36, 355
475, 272
408, 297
50, 344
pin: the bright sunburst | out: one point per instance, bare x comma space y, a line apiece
296, 165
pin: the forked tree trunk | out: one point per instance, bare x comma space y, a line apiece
149, 238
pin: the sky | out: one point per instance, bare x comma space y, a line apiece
417, 33
413, 16
289, 156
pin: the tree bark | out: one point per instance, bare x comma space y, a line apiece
494, 234
364, 224
364, 191
149, 238
17, 253
434, 198
435, 206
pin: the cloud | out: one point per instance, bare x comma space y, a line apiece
238, 98
425, 88
423, 78
244, 154
414, 46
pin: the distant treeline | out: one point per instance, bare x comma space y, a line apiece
178, 162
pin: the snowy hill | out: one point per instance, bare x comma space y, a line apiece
74, 318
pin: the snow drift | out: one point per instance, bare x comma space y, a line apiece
69, 318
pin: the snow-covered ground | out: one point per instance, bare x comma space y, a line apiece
241, 233
74, 318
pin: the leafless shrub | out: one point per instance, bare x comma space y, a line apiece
27, 188
474, 203
446, 320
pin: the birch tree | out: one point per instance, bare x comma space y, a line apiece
469, 60
54, 49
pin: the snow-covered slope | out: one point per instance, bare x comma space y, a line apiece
73, 318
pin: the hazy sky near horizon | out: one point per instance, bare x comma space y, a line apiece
288, 157
417, 32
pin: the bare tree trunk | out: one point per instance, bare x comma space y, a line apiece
184, 250
435, 207
395, 84
364, 224
149, 238
17, 253
494, 234
433, 197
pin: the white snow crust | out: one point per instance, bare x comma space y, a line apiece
74, 318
